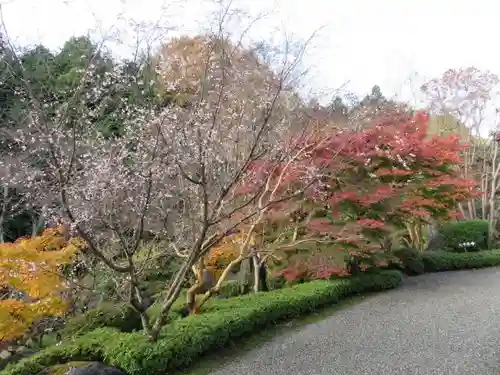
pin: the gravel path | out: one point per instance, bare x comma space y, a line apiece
443, 323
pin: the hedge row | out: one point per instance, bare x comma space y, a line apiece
184, 341
416, 263
436, 261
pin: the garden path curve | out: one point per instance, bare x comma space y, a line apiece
443, 323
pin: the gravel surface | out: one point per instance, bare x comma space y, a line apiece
443, 323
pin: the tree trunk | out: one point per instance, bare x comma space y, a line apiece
256, 273
484, 194
201, 286
472, 209
432, 229
259, 275
38, 224
491, 225
216, 288
191, 297
245, 275
263, 278
3, 210
462, 211
353, 265
493, 189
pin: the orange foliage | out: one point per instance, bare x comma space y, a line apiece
228, 250
30, 267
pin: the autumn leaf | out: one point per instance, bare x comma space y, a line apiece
30, 274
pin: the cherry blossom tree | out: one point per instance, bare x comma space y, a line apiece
385, 178
233, 111
274, 186
174, 168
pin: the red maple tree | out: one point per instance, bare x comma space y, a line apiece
375, 180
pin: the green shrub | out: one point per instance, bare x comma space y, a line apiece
411, 261
185, 340
275, 282
435, 261
118, 316
178, 310
451, 235
152, 288
163, 271
230, 288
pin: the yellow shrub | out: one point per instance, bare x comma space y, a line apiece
31, 267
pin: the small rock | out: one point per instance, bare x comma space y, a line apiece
82, 368
95, 368
5, 354
21, 349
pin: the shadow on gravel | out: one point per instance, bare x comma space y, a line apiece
213, 361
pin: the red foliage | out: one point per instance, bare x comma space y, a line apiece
370, 223
371, 180
326, 272
395, 170
311, 271
294, 272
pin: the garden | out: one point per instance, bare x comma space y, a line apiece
155, 211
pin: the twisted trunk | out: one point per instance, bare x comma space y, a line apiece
260, 275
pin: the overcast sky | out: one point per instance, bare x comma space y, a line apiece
363, 42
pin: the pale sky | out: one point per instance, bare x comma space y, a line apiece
363, 42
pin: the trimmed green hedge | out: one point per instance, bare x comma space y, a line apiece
436, 261
184, 341
451, 235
